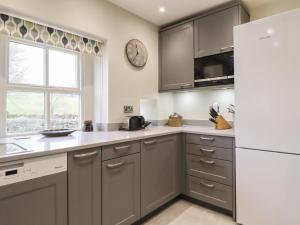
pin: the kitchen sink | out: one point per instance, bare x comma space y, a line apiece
11, 149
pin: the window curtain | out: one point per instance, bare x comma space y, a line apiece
35, 32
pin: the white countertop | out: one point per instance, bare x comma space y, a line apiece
39, 145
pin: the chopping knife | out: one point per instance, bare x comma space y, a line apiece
213, 113
212, 120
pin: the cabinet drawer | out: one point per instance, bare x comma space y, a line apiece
210, 151
118, 150
209, 140
210, 192
208, 168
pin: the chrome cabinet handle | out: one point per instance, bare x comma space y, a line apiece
122, 147
116, 165
209, 162
230, 48
85, 155
150, 142
207, 150
207, 139
211, 186
186, 85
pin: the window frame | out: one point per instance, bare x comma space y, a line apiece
45, 88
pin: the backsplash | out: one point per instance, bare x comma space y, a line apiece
193, 106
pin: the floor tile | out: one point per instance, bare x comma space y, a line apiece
186, 213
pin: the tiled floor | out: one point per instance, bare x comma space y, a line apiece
186, 213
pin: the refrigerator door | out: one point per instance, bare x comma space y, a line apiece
267, 188
267, 81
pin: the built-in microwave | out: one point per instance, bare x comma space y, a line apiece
214, 70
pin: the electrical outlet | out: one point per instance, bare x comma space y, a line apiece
128, 108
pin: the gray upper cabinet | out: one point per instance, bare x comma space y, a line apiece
176, 58
213, 33
206, 34
121, 190
84, 187
160, 171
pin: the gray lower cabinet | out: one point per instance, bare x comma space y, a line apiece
209, 169
176, 58
213, 33
160, 171
41, 201
210, 141
209, 191
122, 149
121, 190
84, 187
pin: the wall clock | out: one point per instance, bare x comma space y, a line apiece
136, 53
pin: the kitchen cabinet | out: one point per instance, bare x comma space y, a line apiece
176, 57
206, 34
84, 187
210, 175
210, 168
122, 149
213, 33
121, 190
210, 192
40, 201
160, 171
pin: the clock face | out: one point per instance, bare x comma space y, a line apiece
136, 53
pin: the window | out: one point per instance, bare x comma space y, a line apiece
43, 88
26, 64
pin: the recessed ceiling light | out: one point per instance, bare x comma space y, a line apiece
162, 9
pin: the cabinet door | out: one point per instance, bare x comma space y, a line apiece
177, 58
160, 171
121, 190
213, 34
40, 201
84, 186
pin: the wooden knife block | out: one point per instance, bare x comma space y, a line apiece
222, 124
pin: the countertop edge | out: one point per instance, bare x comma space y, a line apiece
28, 155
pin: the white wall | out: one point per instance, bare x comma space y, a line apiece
272, 7
102, 19
125, 84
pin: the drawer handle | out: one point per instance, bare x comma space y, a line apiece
150, 142
228, 48
209, 162
116, 165
85, 155
186, 85
207, 139
211, 186
207, 150
122, 147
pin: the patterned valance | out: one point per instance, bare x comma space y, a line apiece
24, 29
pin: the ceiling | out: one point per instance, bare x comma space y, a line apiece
174, 9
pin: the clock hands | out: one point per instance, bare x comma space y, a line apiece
137, 50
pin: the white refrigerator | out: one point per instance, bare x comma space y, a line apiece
267, 126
